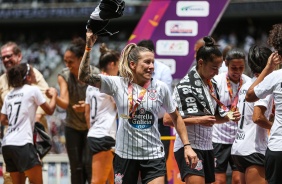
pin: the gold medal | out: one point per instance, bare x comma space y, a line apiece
124, 116
230, 115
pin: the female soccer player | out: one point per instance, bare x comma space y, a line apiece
250, 142
18, 112
101, 117
229, 83
139, 99
269, 82
198, 103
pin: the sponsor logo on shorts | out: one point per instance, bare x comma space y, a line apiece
118, 178
199, 165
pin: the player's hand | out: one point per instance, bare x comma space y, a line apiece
90, 38
80, 107
190, 156
273, 61
50, 92
237, 116
206, 120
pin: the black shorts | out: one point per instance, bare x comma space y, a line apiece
222, 155
20, 158
127, 170
243, 162
205, 166
273, 166
97, 145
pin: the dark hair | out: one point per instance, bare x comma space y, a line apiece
234, 54
209, 51
226, 50
107, 56
148, 44
77, 47
258, 57
17, 75
275, 38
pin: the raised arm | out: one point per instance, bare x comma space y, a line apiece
84, 68
273, 60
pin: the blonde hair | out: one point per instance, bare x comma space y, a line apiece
130, 53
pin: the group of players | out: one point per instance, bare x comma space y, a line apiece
112, 117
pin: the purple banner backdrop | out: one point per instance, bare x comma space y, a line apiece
174, 26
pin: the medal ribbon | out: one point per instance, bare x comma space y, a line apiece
132, 108
214, 97
236, 98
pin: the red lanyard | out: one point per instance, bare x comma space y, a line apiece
132, 108
236, 98
214, 97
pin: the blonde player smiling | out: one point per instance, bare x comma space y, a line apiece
138, 98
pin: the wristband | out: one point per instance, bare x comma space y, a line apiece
186, 145
88, 48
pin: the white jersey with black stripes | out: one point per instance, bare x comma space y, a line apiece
138, 138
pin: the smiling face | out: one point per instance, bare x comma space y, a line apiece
236, 68
8, 58
72, 62
144, 67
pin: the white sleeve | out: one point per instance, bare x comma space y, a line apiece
87, 100
110, 84
175, 96
4, 109
39, 98
267, 86
264, 102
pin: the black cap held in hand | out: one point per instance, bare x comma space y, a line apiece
99, 18
98, 27
111, 9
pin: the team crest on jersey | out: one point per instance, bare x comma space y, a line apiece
142, 119
152, 94
199, 165
118, 178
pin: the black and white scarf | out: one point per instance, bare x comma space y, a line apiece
193, 96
